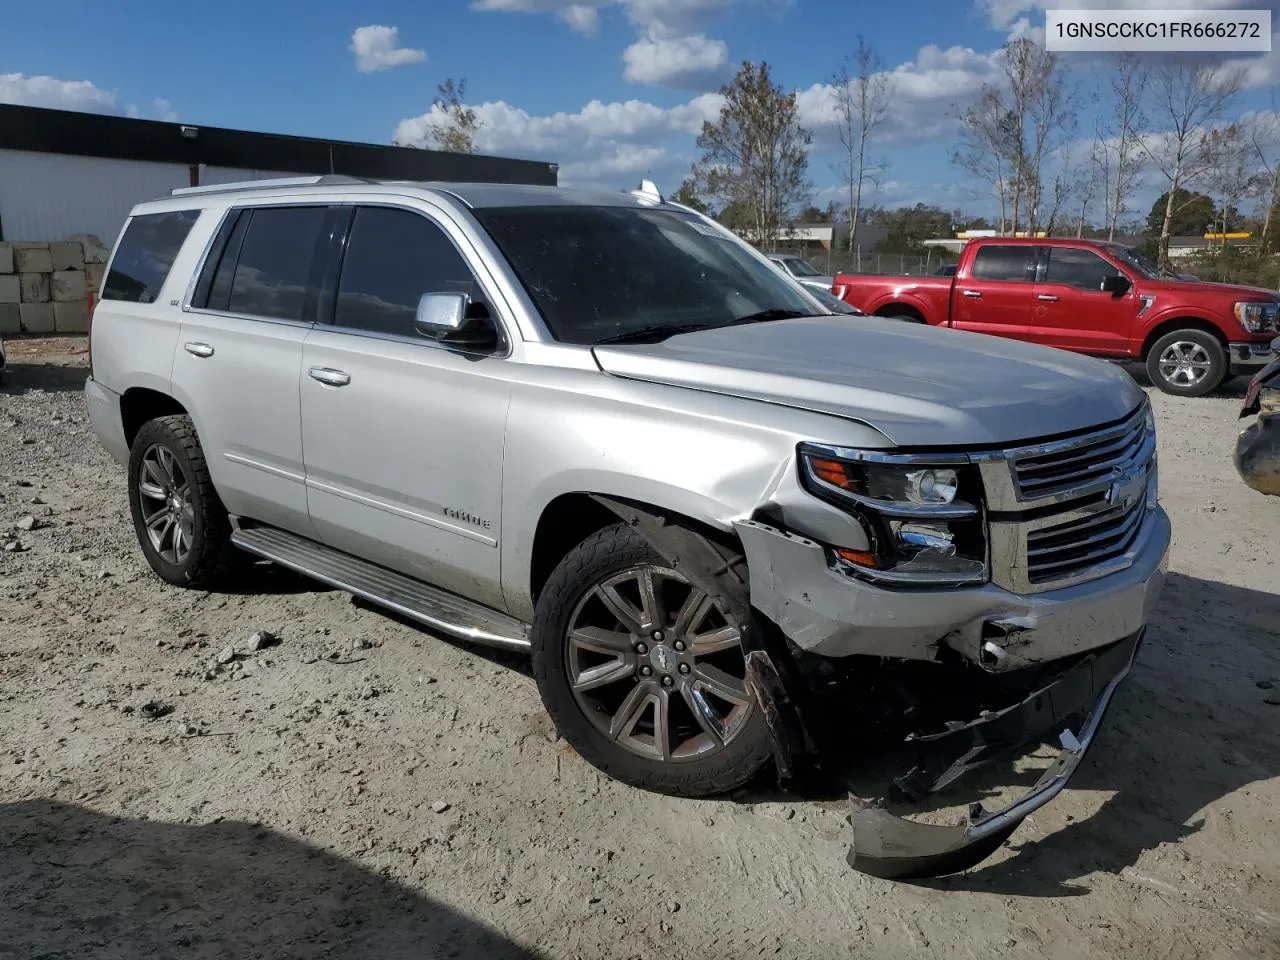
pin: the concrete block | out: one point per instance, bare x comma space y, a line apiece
10, 318
32, 259
10, 289
71, 317
94, 250
35, 287
67, 255
6, 258
37, 317
93, 276
67, 285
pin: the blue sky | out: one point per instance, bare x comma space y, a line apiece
613, 90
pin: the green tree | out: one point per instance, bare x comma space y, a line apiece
1192, 214
688, 195
906, 227
457, 131
756, 153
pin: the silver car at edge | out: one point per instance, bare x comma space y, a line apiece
600, 428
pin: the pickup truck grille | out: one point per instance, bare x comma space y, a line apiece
1069, 464
1068, 549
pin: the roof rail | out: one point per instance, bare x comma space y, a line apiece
271, 184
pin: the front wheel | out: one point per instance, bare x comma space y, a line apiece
643, 673
1187, 363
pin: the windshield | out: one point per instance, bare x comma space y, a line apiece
1145, 266
598, 273
802, 268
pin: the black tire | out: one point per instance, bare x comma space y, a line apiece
607, 553
209, 555
1198, 346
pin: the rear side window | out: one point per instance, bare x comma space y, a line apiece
1005, 263
145, 255
277, 272
1077, 268
393, 257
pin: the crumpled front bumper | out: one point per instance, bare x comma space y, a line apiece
889, 846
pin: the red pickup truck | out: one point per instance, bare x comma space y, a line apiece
1103, 299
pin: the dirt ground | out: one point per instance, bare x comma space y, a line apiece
295, 806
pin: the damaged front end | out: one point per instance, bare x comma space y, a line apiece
940, 682
1257, 455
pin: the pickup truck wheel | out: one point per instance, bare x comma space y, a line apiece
1187, 363
180, 521
643, 673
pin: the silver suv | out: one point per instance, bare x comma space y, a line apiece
601, 429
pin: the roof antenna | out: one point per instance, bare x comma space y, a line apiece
648, 190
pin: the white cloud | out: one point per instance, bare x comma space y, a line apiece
693, 62
581, 18
1003, 13
378, 48
164, 110
60, 94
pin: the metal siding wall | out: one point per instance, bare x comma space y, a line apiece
213, 175
49, 196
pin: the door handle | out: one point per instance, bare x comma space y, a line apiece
334, 378
198, 349
1047, 297
973, 293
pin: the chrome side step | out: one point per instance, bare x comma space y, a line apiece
430, 606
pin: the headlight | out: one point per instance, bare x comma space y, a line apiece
922, 516
1256, 317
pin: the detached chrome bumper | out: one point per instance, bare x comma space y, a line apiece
1257, 455
826, 612
888, 846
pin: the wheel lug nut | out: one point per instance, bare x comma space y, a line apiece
641, 648
679, 644
684, 668
646, 670
657, 636
667, 681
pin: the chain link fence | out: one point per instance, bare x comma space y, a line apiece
831, 262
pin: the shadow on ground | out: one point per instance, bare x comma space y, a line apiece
75, 883
23, 376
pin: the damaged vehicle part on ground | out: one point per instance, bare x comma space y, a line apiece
1257, 454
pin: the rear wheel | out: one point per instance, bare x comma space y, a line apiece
643, 673
1187, 363
182, 527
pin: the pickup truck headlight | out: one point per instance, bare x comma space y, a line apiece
1257, 317
922, 517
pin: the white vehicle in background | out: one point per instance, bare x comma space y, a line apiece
802, 270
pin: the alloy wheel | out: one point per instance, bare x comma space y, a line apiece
1184, 364
165, 497
657, 666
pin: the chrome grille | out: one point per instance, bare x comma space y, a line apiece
1077, 462
1065, 550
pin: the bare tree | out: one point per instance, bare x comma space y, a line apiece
1011, 132
1121, 135
756, 154
862, 102
1231, 177
1264, 138
985, 150
457, 132
1187, 98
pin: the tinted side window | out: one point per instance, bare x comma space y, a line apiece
1078, 268
394, 257
1005, 263
145, 255
276, 272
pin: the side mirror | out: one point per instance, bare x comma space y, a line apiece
454, 319
1116, 284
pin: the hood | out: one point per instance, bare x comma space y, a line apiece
1229, 291
920, 386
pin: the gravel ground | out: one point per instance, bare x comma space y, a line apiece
363, 789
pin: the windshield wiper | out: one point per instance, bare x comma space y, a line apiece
656, 333
764, 316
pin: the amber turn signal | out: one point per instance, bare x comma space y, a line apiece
832, 472
861, 557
